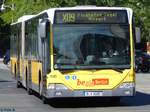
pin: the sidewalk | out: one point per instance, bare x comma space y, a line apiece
5, 74
3, 66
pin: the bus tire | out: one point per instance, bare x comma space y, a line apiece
44, 100
19, 85
29, 91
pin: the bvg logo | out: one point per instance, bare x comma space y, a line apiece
92, 82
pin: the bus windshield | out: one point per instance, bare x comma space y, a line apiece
84, 46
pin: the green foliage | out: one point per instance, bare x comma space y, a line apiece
27, 7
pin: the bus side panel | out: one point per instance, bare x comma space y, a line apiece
14, 66
21, 69
36, 69
23, 74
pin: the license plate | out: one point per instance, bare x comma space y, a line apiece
93, 94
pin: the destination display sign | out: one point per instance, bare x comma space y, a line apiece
90, 16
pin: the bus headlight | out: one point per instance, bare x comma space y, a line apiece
51, 86
57, 87
127, 85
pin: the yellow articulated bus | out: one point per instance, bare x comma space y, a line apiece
84, 51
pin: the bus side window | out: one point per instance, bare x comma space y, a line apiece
26, 46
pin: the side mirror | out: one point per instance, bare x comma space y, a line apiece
42, 29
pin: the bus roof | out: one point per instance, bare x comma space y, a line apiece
50, 12
23, 18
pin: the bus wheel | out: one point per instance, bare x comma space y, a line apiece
19, 85
29, 91
44, 100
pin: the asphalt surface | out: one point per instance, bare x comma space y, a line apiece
13, 99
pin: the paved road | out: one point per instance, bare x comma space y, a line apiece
17, 100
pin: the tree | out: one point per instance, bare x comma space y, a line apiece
25, 7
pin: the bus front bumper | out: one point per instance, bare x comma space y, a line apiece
126, 89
